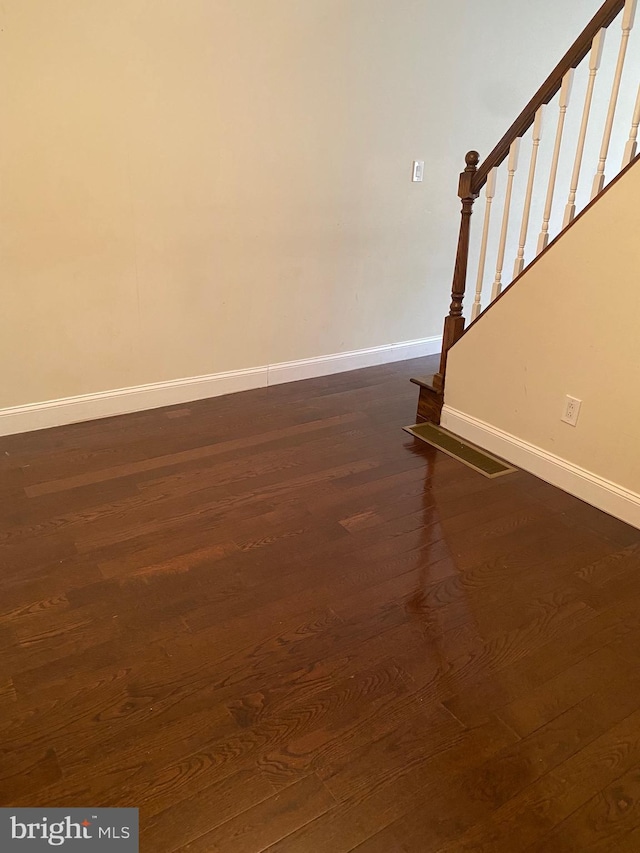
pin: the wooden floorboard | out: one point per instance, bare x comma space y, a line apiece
275, 622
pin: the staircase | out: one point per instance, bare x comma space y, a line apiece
584, 116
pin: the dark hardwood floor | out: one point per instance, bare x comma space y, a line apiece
275, 622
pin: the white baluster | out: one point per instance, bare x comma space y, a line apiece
537, 136
632, 145
594, 65
490, 192
511, 168
627, 25
565, 93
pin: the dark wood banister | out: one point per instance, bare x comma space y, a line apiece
474, 177
605, 16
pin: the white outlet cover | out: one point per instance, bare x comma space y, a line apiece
571, 410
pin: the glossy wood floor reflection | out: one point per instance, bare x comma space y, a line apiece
275, 622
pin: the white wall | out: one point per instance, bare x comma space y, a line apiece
196, 186
569, 326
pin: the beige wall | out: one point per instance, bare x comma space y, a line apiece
194, 186
569, 326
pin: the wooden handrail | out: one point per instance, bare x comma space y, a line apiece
572, 58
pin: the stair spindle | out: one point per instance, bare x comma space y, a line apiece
537, 136
628, 16
489, 194
565, 94
595, 59
632, 145
512, 166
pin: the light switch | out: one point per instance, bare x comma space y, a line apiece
418, 171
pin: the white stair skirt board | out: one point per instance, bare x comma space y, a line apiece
603, 494
120, 401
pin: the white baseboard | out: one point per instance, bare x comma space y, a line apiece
103, 404
308, 368
595, 490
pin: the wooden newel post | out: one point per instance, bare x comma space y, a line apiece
454, 323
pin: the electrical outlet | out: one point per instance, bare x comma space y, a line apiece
418, 171
571, 410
